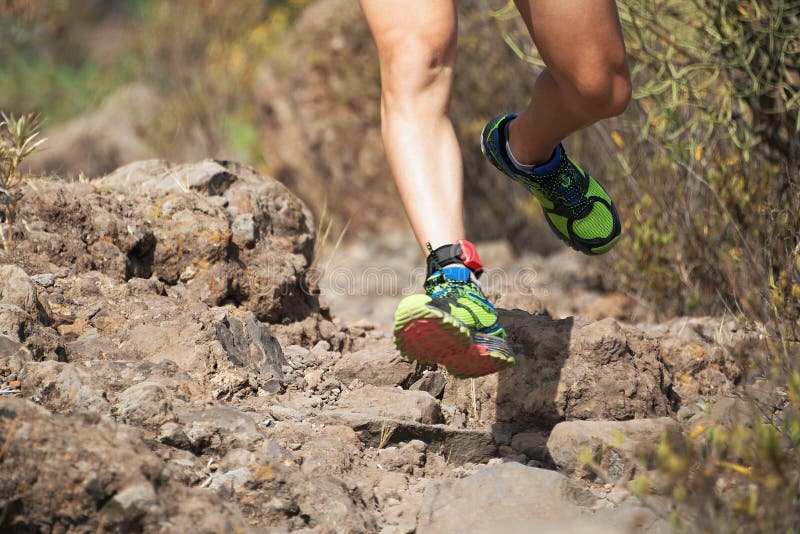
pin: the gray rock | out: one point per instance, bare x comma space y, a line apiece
14, 321
144, 404
457, 445
62, 387
130, 506
433, 382
531, 444
403, 457
379, 366
229, 482
44, 279
250, 344
416, 406
14, 350
517, 499
91, 386
172, 434
17, 289
243, 230
617, 446
219, 428
510, 496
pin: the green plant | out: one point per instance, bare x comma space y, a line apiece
18, 140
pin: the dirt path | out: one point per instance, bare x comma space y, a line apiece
157, 378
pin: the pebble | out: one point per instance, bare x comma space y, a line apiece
44, 279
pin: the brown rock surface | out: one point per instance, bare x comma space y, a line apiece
514, 498
417, 406
379, 366
180, 224
166, 316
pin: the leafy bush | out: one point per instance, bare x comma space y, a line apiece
713, 154
713, 157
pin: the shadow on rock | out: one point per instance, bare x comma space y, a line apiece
567, 369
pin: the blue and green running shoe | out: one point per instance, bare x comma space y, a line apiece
577, 208
453, 324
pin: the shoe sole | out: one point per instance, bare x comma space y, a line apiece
591, 251
429, 335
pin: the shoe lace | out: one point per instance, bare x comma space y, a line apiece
567, 190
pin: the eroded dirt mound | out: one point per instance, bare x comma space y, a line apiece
103, 139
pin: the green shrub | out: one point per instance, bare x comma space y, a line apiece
714, 154
18, 140
710, 155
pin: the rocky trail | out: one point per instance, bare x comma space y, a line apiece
167, 363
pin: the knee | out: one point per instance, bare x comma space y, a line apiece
412, 65
604, 92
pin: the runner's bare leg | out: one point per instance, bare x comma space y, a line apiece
416, 42
586, 78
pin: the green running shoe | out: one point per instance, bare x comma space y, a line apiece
453, 324
577, 208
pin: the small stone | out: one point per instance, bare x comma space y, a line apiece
531, 444
272, 385
243, 230
432, 382
172, 434
313, 378
321, 347
44, 279
459, 420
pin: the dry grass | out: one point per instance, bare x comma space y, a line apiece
387, 431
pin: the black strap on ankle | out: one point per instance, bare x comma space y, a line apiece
462, 251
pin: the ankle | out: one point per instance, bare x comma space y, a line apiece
525, 150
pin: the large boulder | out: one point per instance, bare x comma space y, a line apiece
219, 231
569, 369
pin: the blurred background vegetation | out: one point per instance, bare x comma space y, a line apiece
705, 164
63, 57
